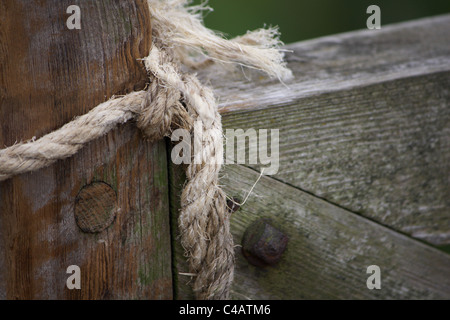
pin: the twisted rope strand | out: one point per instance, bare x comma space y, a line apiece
203, 223
66, 141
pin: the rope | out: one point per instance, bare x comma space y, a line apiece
173, 100
203, 221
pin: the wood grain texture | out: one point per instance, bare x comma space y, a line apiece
45, 65
365, 124
48, 75
329, 249
181, 281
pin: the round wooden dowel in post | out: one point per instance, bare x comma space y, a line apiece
95, 207
57, 63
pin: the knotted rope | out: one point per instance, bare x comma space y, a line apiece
173, 99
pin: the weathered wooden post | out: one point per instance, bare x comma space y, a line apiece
105, 209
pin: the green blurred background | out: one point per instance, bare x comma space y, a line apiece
305, 19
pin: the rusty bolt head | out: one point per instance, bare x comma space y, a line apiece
263, 244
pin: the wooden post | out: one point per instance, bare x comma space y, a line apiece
105, 209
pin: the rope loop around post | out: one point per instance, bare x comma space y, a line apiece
173, 100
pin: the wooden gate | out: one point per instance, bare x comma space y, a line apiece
363, 178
